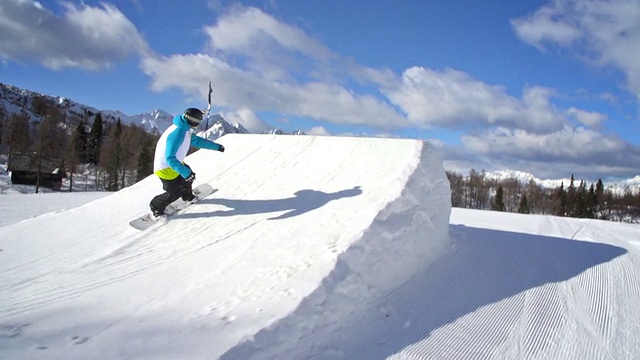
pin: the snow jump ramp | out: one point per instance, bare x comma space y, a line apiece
321, 227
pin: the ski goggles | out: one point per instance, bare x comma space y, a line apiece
192, 121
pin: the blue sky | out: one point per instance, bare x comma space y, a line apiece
547, 87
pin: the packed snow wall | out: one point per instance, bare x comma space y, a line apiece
409, 231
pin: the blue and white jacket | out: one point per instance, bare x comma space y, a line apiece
173, 146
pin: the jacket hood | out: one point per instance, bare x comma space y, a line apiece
180, 121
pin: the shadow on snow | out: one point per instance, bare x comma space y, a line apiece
303, 202
487, 266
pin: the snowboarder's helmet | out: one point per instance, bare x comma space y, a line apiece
193, 116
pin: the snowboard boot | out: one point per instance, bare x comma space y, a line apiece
157, 213
189, 198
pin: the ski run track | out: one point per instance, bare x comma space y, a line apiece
316, 248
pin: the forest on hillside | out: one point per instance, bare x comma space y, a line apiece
109, 155
575, 199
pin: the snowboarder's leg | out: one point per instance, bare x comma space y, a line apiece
187, 189
173, 191
187, 192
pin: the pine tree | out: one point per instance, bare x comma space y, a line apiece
580, 202
599, 199
80, 142
570, 198
112, 156
592, 201
560, 201
94, 146
145, 161
523, 208
498, 203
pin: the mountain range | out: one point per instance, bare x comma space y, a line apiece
15, 100
618, 187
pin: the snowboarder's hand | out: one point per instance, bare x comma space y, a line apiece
221, 148
191, 177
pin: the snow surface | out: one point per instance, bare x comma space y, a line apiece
316, 247
15, 207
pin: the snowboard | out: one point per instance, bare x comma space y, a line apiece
147, 220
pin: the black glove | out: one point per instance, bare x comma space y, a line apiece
221, 149
191, 177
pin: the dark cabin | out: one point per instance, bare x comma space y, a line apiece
24, 170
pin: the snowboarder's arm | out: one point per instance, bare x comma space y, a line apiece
204, 143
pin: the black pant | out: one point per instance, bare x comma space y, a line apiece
174, 189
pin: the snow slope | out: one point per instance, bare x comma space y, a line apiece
257, 272
520, 287
306, 231
15, 207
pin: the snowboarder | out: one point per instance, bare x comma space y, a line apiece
172, 147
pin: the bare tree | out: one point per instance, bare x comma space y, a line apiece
456, 183
16, 135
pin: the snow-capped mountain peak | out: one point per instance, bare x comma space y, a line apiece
156, 119
218, 126
523, 177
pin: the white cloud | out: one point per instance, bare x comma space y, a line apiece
609, 97
575, 145
248, 119
244, 29
84, 37
545, 26
590, 119
266, 84
318, 131
191, 73
452, 99
249, 61
238, 88
520, 130
603, 32
268, 47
